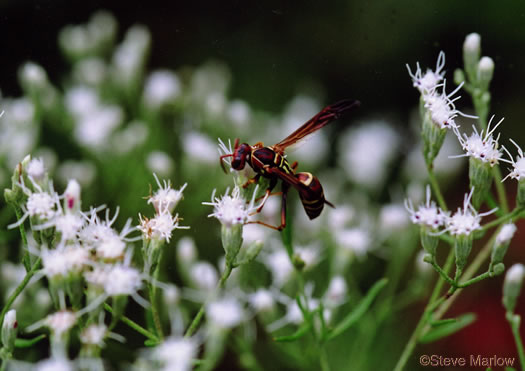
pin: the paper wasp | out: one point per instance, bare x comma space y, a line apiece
271, 163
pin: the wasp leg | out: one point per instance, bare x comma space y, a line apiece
253, 180
294, 165
271, 186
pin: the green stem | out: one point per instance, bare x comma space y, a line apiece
508, 216
198, 318
475, 279
19, 289
155, 311
500, 190
442, 273
25, 257
514, 325
435, 187
134, 325
412, 341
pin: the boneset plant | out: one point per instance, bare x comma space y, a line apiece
460, 230
160, 276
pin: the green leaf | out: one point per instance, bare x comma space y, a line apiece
301, 331
27, 343
442, 322
447, 329
361, 308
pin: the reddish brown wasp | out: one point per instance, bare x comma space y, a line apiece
270, 162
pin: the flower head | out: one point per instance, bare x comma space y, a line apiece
428, 215
232, 209
518, 165
165, 198
482, 145
427, 83
466, 220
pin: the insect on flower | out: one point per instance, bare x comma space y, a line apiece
270, 162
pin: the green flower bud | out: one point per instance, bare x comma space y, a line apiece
512, 286
249, 253
459, 76
462, 248
231, 241
501, 244
433, 138
471, 53
428, 241
9, 331
485, 72
498, 269
480, 176
520, 197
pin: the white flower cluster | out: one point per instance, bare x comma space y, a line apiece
463, 222
164, 200
440, 104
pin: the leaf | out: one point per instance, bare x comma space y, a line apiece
301, 331
447, 329
27, 343
361, 308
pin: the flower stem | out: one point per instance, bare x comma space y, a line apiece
155, 311
19, 289
435, 187
412, 342
198, 318
514, 325
25, 259
134, 325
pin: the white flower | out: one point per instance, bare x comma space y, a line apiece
94, 334
279, 264
466, 220
481, 146
366, 152
428, 215
199, 148
161, 87
356, 240
159, 162
42, 204
176, 353
239, 113
94, 129
393, 217
225, 313
442, 108
335, 295
60, 322
204, 276
36, 169
122, 280
231, 209
515, 274
54, 364
110, 247
62, 261
262, 300
165, 198
186, 250
518, 165
160, 227
505, 234
340, 217
428, 82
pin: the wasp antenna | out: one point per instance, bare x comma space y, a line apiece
329, 204
222, 162
344, 106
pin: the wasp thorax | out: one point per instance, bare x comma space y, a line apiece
239, 156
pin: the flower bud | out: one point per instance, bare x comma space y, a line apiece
231, 237
471, 53
501, 243
9, 330
512, 286
428, 240
520, 198
433, 138
480, 176
249, 253
485, 72
462, 248
459, 76
72, 196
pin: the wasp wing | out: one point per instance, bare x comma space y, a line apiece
323, 118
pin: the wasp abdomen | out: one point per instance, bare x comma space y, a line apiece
312, 195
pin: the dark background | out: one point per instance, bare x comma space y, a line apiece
335, 49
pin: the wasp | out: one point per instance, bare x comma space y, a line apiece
270, 162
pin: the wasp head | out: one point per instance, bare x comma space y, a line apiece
239, 156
